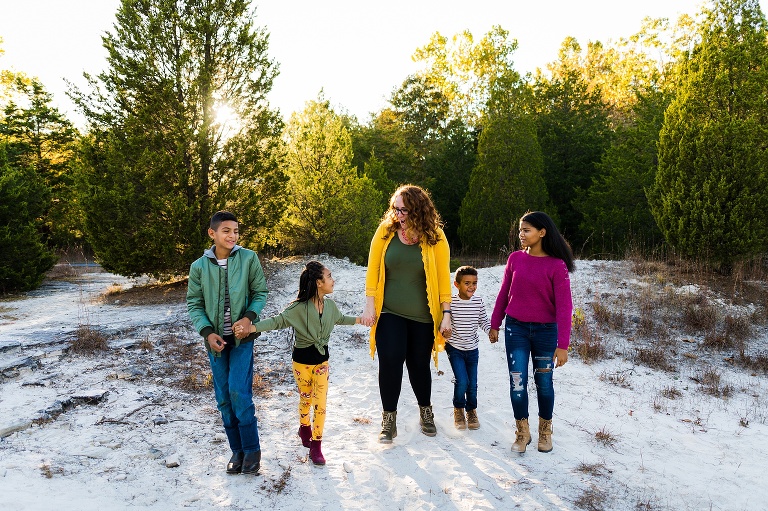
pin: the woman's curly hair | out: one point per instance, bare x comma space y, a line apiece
422, 220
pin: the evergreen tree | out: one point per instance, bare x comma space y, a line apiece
38, 136
179, 128
615, 208
711, 189
507, 180
573, 130
23, 198
330, 209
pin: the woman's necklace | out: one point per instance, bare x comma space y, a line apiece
405, 239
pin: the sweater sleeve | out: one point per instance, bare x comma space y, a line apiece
561, 283
443, 264
502, 300
374, 261
278, 322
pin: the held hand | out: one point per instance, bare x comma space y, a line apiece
369, 313
493, 336
242, 328
445, 326
216, 342
561, 357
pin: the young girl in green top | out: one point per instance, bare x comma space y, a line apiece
312, 317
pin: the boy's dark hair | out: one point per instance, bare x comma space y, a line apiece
313, 271
553, 243
221, 216
464, 270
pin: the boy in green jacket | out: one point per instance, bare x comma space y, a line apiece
227, 290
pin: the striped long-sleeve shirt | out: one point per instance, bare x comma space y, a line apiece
466, 317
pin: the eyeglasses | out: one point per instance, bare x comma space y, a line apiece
401, 211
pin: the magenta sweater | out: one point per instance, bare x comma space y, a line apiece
536, 290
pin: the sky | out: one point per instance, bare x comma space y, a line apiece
356, 52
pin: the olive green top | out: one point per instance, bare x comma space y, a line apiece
405, 287
310, 328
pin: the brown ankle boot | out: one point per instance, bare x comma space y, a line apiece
545, 435
523, 436
458, 418
472, 421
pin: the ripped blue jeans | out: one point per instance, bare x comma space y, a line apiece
538, 342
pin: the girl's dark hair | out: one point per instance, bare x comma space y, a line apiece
553, 242
313, 271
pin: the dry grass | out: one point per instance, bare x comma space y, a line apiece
586, 341
593, 469
671, 393
88, 341
655, 358
171, 291
710, 380
755, 362
699, 315
362, 420
591, 499
606, 438
619, 379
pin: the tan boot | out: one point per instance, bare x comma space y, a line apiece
472, 420
458, 418
523, 436
545, 435
388, 427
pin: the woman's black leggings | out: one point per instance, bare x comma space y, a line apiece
398, 341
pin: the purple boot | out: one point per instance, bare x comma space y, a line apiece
315, 454
305, 433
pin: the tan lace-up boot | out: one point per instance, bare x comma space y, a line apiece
472, 420
523, 436
545, 435
458, 418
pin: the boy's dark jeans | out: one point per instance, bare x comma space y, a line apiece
464, 365
233, 386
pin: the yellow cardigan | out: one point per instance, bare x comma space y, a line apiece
437, 268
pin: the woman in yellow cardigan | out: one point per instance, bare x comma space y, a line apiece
408, 299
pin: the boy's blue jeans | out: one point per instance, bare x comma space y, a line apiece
464, 365
233, 386
537, 341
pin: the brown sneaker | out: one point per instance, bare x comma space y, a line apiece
458, 418
472, 420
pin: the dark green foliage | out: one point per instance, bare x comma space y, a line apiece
159, 161
615, 208
573, 132
39, 137
506, 182
711, 190
330, 208
23, 198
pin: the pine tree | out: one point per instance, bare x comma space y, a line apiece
23, 198
179, 128
506, 182
711, 189
330, 209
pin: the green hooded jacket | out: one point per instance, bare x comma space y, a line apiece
205, 291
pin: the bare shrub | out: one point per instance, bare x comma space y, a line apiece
699, 315
717, 341
593, 469
619, 379
605, 437
671, 393
601, 312
88, 340
755, 362
710, 381
591, 499
646, 304
655, 358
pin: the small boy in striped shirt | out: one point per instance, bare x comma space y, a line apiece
467, 315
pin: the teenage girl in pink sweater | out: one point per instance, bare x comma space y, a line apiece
535, 298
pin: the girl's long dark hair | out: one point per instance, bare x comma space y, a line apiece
553, 242
313, 271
